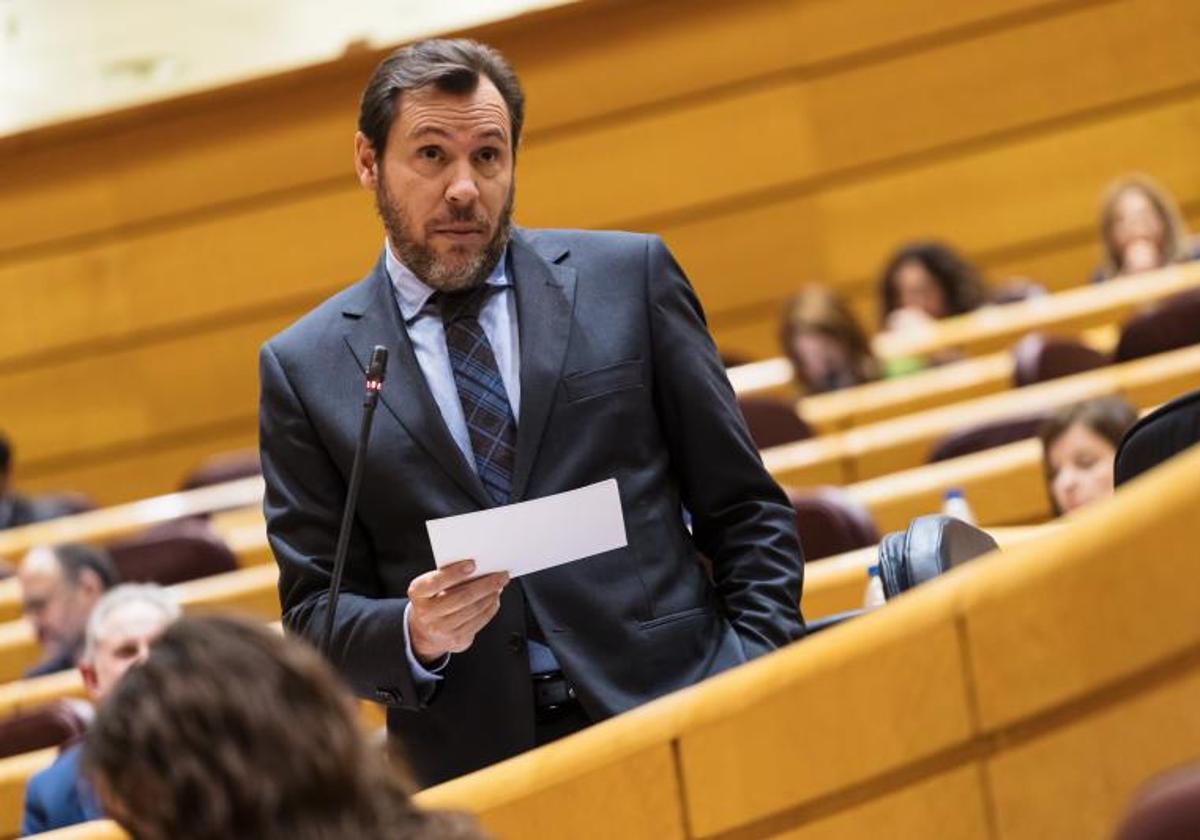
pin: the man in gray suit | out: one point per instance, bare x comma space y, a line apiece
524, 363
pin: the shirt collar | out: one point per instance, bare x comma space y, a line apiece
412, 294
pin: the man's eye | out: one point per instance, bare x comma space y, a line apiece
430, 153
489, 155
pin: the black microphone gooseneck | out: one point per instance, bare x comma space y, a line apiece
375, 373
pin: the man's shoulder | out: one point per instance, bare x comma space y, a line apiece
553, 243
60, 781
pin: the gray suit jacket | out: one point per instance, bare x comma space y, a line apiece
619, 378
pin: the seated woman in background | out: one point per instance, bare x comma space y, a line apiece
1079, 445
925, 281
825, 344
231, 730
1140, 228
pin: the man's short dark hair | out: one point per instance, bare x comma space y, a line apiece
5, 455
452, 66
75, 558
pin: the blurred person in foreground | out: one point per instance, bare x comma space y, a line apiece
1079, 446
59, 587
119, 633
524, 363
230, 729
824, 342
1141, 229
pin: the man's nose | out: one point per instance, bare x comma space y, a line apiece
462, 191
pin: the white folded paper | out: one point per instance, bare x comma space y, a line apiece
534, 535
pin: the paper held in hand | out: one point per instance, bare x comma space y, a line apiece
530, 536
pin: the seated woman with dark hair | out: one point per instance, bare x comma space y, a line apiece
926, 281
1141, 229
826, 346
1079, 445
921, 283
231, 730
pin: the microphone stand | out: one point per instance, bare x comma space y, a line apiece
375, 374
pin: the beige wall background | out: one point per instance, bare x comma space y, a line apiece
145, 254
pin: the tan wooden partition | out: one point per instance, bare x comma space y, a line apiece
878, 449
770, 142
925, 717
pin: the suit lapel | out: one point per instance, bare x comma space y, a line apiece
373, 317
545, 297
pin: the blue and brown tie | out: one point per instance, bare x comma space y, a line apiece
490, 422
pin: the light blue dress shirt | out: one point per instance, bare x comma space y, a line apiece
498, 318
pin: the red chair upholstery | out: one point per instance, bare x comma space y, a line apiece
185, 549
1039, 358
228, 466
1166, 808
830, 522
1169, 325
985, 436
772, 422
46, 726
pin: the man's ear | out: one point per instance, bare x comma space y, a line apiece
365, 162
88, 671
90, 585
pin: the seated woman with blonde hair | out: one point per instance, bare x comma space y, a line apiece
1141, 229
1079, 446
231, 730
826, 346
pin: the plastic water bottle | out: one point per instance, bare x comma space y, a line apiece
954, 504
873, 597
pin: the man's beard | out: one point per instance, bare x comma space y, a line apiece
421, 260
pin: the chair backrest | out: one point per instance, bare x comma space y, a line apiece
985, 436
1161, 434
829, 521
46, 726
1166, 808
1039, 358
1168, 325
228, 466
174, 552
930, 546
772, 422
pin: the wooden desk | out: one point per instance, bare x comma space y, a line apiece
1067, 312
107, 524
889, 446
244, 531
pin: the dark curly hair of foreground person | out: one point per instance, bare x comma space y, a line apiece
231, 730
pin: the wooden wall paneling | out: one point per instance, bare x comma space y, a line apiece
294, 130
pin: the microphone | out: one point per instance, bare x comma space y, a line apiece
374, 384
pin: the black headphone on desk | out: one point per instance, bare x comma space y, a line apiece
930, 546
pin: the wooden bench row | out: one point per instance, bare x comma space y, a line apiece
924, 716
1074, 312
831, 586
888, 446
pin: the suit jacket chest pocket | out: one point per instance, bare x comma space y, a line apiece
588, 384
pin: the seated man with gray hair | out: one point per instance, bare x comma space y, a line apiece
120, 630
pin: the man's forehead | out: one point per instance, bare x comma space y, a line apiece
40, 567
133, 619
429, 110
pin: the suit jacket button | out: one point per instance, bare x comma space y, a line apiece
516, 643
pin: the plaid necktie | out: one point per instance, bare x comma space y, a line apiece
490, 423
